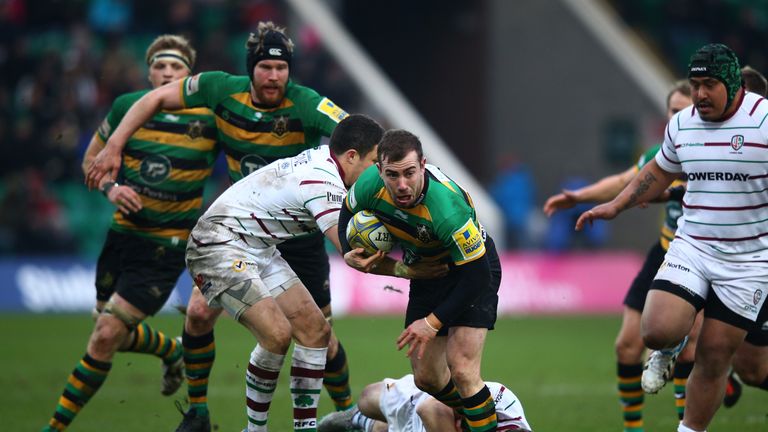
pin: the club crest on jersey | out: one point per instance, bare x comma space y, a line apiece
155, 168
280, 126
757, 297
195, 129
737, 141
423, 233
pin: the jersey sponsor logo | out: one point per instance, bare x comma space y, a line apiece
195, 129
330, 109
717, 176
155, 168
280, 126
469, 240
192, 85
737, 141
172, 117
334, 198
757, 297
401, 214
105, 129
250, 163
276, 52
667, 264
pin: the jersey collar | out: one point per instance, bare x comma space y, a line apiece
338, 165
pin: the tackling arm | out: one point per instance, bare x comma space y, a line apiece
649, 183
107, 163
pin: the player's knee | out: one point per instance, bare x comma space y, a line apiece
200, 317
108, 333
369, 400
277, 338
426, 383
749, 374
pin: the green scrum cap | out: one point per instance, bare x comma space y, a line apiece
719, 62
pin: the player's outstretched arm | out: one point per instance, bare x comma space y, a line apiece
107, 162
601, 191
649, 183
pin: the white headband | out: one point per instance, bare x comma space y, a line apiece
172, 55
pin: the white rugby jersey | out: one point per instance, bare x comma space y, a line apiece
288, 198
725, 208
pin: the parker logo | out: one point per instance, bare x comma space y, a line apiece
757, 297
737, 141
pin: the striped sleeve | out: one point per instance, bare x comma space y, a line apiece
667, 158
323, 199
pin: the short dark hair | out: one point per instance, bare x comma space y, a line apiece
682, 86
754, 81
358, 132
397, 143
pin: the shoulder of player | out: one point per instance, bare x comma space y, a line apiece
754, 107
223, 80
294, 90
129, 98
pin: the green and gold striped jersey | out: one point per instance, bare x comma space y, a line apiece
166, 162
253, 136
442, 226
673, 209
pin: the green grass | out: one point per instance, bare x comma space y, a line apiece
562, 368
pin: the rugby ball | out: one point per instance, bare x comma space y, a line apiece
366, 231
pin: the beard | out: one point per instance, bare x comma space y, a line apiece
270, 95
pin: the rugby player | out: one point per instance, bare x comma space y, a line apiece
717, 260
158, 194
447, 317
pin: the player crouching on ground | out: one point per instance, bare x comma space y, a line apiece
399, 405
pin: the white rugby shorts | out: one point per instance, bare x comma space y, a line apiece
398, 401
218, 260
740, 286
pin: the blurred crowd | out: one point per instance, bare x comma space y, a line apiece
677, 28
62, 64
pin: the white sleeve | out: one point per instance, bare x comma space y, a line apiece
323, 199
667, 158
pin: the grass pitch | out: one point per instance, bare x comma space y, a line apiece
562, 369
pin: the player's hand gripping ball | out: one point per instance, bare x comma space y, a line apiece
366, 231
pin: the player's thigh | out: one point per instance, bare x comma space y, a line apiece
266, 321
430, 372
464, 352
718, 341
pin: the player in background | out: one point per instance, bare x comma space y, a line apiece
629, 343
716, 261
260, 117
233, 259
158, 195
447, 317
398, 405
